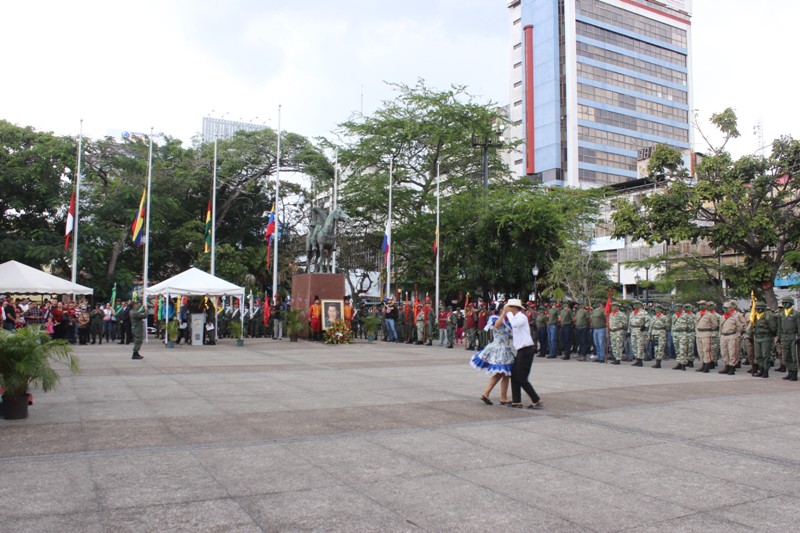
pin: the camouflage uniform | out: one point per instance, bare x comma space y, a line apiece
639, 322
658, 333
617, 325
682, 324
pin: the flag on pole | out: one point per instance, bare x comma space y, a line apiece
70, 220
387, 243
138, 222
207, 248
752, 307
436, 244
269, 233
113, 295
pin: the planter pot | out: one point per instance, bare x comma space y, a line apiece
292, 338
15, 408
370, 338
239, 342
170, 344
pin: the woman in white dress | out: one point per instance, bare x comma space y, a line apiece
496, 359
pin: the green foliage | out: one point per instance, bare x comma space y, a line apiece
295, 322
745, 206
236, 329
26, 356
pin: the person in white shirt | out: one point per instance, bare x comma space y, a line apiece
523, 343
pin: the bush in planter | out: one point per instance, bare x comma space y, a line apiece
295, 323
26, 356
235, 327
370, 323
172, 331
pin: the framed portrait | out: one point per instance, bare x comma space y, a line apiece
332, 310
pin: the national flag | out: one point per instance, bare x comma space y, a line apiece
138, 222
207, 248
113, 295
436, 243
752, 307
70, 220
269, 233
386, 245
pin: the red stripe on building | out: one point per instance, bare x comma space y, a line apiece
656, 11
530, 161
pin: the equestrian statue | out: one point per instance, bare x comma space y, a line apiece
321, 240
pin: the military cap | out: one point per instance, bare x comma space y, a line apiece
636, 302
733, 304
726, 305
701, 302
614, 304
788, 300
678, 306
761, 305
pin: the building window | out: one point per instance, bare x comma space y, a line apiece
610, 118
516, 22
623, 41
634, 22
631, 63
629, 82
639, 105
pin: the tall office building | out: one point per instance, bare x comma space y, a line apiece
593, 82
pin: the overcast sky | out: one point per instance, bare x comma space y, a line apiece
168, 63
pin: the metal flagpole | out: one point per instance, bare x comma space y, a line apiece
214, 211
389, 235
437, 241
335, 202
277, 195
147, 228
77, 210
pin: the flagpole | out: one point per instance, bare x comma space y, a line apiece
77, 209
147, 228
277, 195
214, 210
437, 239
335, 201
389, 236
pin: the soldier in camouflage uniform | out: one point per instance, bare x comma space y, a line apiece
639, 325
777, 343
691, 336
681, 324
715, 347
789, 322
764, 329
658, 333
617, 325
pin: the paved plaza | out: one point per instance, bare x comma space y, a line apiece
280, 436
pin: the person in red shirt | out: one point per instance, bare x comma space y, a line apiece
442, 318
483, 335
315, 318
348, 313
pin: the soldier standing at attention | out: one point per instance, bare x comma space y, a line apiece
732, 325
137, 317
764, 329
315, 318
541, 330
715, 346
483, 335
444, 333
690, 334
706, 323
567, 319
552, 331
617, 326
639, 323
680, 336
470, 325
452, 324
776, 343
430, 323
420, 322
658, 333
598, 323
582, 331
789, 322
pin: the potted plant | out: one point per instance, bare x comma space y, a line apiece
172, 333
236, 332
26, 356
370, 323
295, 323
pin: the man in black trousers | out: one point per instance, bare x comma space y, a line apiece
523, 343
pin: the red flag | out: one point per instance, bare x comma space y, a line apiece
70, 220
608, 305
436, 244
268, 234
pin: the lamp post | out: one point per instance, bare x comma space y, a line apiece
535, 272
637, 278
491, 140
647, 285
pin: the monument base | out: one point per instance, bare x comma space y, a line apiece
306, 286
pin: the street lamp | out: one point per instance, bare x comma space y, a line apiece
647, 285
535, 272
491, 140
637, 278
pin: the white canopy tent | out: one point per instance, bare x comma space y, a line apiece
16, 278
195, 282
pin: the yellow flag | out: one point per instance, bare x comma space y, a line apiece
752, 307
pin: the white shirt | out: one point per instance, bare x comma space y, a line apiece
520, 330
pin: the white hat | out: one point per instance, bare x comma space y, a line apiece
515, 302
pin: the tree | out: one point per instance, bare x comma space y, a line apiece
746, 206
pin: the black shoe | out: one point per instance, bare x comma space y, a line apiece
788, 375
739, 365
705, 368
724, 370
614, 362
794, 376
565, 358
758, 372
638, 363
731, 370
120, 343
552, 356
765, 373
658, 364
137, 356
781, 369
679, 366
690, 364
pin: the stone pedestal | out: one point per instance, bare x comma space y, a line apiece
306, 286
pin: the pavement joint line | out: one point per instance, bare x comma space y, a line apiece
693, 443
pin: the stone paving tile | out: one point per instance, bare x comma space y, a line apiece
124, 434
590, 504
448, 503
152, 479
31, 437
696, 523
777, 514
30, 489
324, 509
576, 431
208, 516
90, 522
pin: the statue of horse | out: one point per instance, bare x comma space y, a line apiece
315, 221
325, 240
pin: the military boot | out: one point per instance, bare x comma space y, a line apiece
679, 366
638, 363
765, 373
725, 370
658, 364
788, 375
757, 372
614, 362
690, 364
732, 371
781, 369
794, 376
703, 369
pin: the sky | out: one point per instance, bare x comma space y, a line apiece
166, 64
